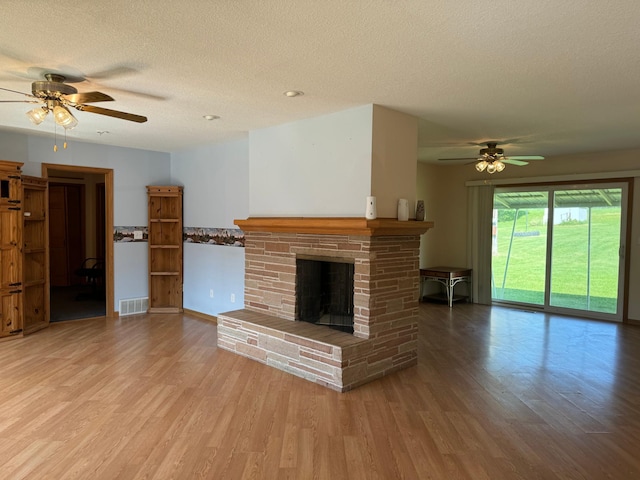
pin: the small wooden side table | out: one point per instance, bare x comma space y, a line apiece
449, 277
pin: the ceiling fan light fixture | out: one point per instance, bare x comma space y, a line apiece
37, 115
492, 159
63, 117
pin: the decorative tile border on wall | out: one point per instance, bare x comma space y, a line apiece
230, 237
126, 234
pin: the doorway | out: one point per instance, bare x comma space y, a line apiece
67, 206
81, 226
561, 248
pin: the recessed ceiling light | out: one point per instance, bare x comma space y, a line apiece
293, 93
210, 117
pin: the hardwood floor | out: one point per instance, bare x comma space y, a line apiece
497, 394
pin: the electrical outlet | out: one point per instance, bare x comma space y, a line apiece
233, 298
211, 293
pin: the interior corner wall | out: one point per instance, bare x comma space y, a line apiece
133, 169
216, 192
393, 160
314, 167
445, 203
426, 188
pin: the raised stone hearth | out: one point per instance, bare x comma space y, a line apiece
386, 283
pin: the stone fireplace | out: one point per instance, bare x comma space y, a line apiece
383, 254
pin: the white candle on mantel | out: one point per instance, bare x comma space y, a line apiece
403, 209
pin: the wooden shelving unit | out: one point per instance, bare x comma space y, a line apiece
35, 289
165, 249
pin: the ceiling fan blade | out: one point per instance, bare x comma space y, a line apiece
111, 113
454, 159
113, 72
136, 93
508, 141
120, 71
88, 97
514, 162
15, 91
525, 157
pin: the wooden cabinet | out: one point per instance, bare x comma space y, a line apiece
10, 249
35, 289
165, 249
24, 289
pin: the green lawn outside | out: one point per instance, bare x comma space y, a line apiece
525, 276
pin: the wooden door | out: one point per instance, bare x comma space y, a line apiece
10, 253
66, 233
35, 259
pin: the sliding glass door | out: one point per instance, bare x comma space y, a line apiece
586, 254
560, 248
519, 245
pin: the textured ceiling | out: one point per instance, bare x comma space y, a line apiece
558, 77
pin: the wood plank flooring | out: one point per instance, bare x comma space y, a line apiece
497, 394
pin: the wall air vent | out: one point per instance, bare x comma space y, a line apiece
132, 306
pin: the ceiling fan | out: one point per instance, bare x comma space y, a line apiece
492, 159
57, 96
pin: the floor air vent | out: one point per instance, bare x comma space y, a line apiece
131, 306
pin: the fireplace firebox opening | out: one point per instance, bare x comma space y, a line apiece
324, 293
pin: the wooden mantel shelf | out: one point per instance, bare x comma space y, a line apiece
334, 226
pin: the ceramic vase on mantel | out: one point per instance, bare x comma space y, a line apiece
420, 211
403, 209
371, 212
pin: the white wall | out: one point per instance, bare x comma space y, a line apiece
133, 170
315, 167
15, 148
216, 192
